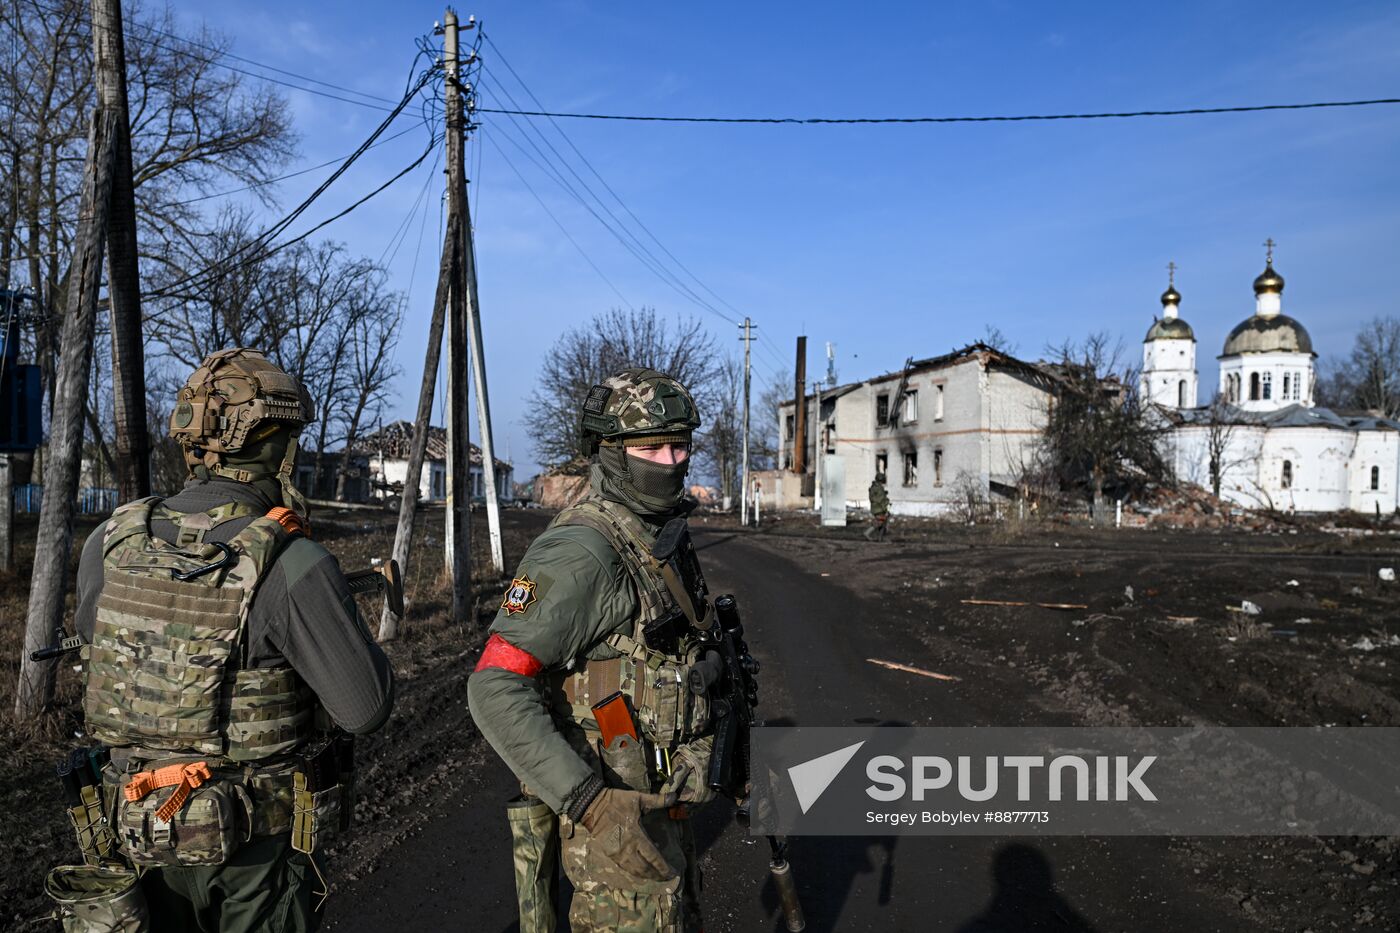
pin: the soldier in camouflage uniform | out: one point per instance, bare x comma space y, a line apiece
879, 508
222, 644
572, 632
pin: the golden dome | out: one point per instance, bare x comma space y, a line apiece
1268, 281
1171, 296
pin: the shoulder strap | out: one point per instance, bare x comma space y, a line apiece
133, 518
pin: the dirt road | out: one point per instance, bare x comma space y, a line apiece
816, 610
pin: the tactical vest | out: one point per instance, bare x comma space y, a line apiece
668, 713
167, 671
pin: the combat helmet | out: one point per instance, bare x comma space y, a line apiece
635, 407
228, 411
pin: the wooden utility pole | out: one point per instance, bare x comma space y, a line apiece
483, 402
458, 538
133, 446
744, 467
34, 692
799, 430
408, 502
7, 515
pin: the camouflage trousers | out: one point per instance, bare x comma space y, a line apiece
265, 886
608, 901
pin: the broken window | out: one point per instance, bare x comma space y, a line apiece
1288, 474
1254, 387
909, 411
882, 408
1181, 394
938, 466
938, 403
1287, 385
911, 468
1267, 381
882, 463
1375, 477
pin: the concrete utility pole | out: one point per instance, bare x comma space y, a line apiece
458, 538
408, 502
133, 443
478, 360
818, 445
799, 426
34, 692
748, 339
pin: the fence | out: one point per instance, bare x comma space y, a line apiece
92, 500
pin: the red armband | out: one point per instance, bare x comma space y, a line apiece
502, 654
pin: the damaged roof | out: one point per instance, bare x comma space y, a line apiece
393, 442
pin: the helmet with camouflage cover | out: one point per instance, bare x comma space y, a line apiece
637, 406
239, 416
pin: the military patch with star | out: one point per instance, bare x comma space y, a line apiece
520, 595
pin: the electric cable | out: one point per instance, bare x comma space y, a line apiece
647, 230
1018, 118
562, 229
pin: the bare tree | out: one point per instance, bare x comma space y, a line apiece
1221, 419
1370, 377
373, 338
720, 447
586, 354
763, 422
1096, 434
195, 127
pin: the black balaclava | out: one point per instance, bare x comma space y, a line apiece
652, 490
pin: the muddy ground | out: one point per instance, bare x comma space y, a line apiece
430, 845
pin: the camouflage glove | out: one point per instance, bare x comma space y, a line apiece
614, 818
690, 770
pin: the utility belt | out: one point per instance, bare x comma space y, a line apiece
189, 810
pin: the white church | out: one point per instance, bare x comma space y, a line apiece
1270, 444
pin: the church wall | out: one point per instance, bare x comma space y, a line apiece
1167, 363
1318, 460
1381, 450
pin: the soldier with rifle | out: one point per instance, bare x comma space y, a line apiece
606, 679
225, 663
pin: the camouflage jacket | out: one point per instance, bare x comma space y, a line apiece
879, 499
571, 595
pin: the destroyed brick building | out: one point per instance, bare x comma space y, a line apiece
385, 457
967, 421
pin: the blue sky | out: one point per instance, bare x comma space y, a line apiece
886, 240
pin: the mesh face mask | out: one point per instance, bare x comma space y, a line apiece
647, 487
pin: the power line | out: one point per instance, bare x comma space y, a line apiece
1192, 111
562, 229
152, 30
647, 230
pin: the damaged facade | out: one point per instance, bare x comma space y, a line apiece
1270, 444
384, 455
941, 429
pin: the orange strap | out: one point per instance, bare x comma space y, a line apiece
290, 520
184, 778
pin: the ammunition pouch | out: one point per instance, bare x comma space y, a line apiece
316, 814
98, 899
534, 830
322, 793
625, 763
89, 821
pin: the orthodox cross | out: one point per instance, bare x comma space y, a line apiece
1270, 244
1171, 273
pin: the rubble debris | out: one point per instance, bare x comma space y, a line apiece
1183, 620
1387, 574
1246, 608
1364, 643
1128, 592
1292, 583
894, 666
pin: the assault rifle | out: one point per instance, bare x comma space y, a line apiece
384, 578
730, 675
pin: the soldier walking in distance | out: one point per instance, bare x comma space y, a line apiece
224, 643
582, 686
879, 509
